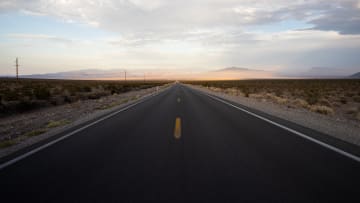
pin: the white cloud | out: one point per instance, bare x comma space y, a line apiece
39, 37
147, 5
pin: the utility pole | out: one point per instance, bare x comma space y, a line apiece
17, 68
125, 75
144, 77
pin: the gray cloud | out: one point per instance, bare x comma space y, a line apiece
344, 18
180, 15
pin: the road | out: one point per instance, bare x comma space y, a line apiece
182, 146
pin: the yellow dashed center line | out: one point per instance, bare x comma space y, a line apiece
177, 130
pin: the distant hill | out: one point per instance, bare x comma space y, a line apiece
235, 73
235, 69
325, 72
356, 75
80, 74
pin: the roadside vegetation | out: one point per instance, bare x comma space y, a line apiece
9, 140
339, 97
29, 94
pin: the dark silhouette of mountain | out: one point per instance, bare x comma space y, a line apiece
235, 69
356, 75
324, 72
80, 74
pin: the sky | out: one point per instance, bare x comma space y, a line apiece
186, 37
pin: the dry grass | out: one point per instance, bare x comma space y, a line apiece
54, 124
6, 143
358, 116
35, 132
276, 99
301, 103
322, 109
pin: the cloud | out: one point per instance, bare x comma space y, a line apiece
196, 34
344, 18
39, 37
142, 16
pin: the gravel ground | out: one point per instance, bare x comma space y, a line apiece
344, 129
28, 128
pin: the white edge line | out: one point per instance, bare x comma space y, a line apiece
31, 152
344, 153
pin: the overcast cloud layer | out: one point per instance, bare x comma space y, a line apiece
278, 35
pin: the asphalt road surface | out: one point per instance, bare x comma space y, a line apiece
182, 146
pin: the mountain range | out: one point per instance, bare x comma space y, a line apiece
224, 73
356, 75
235, 69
